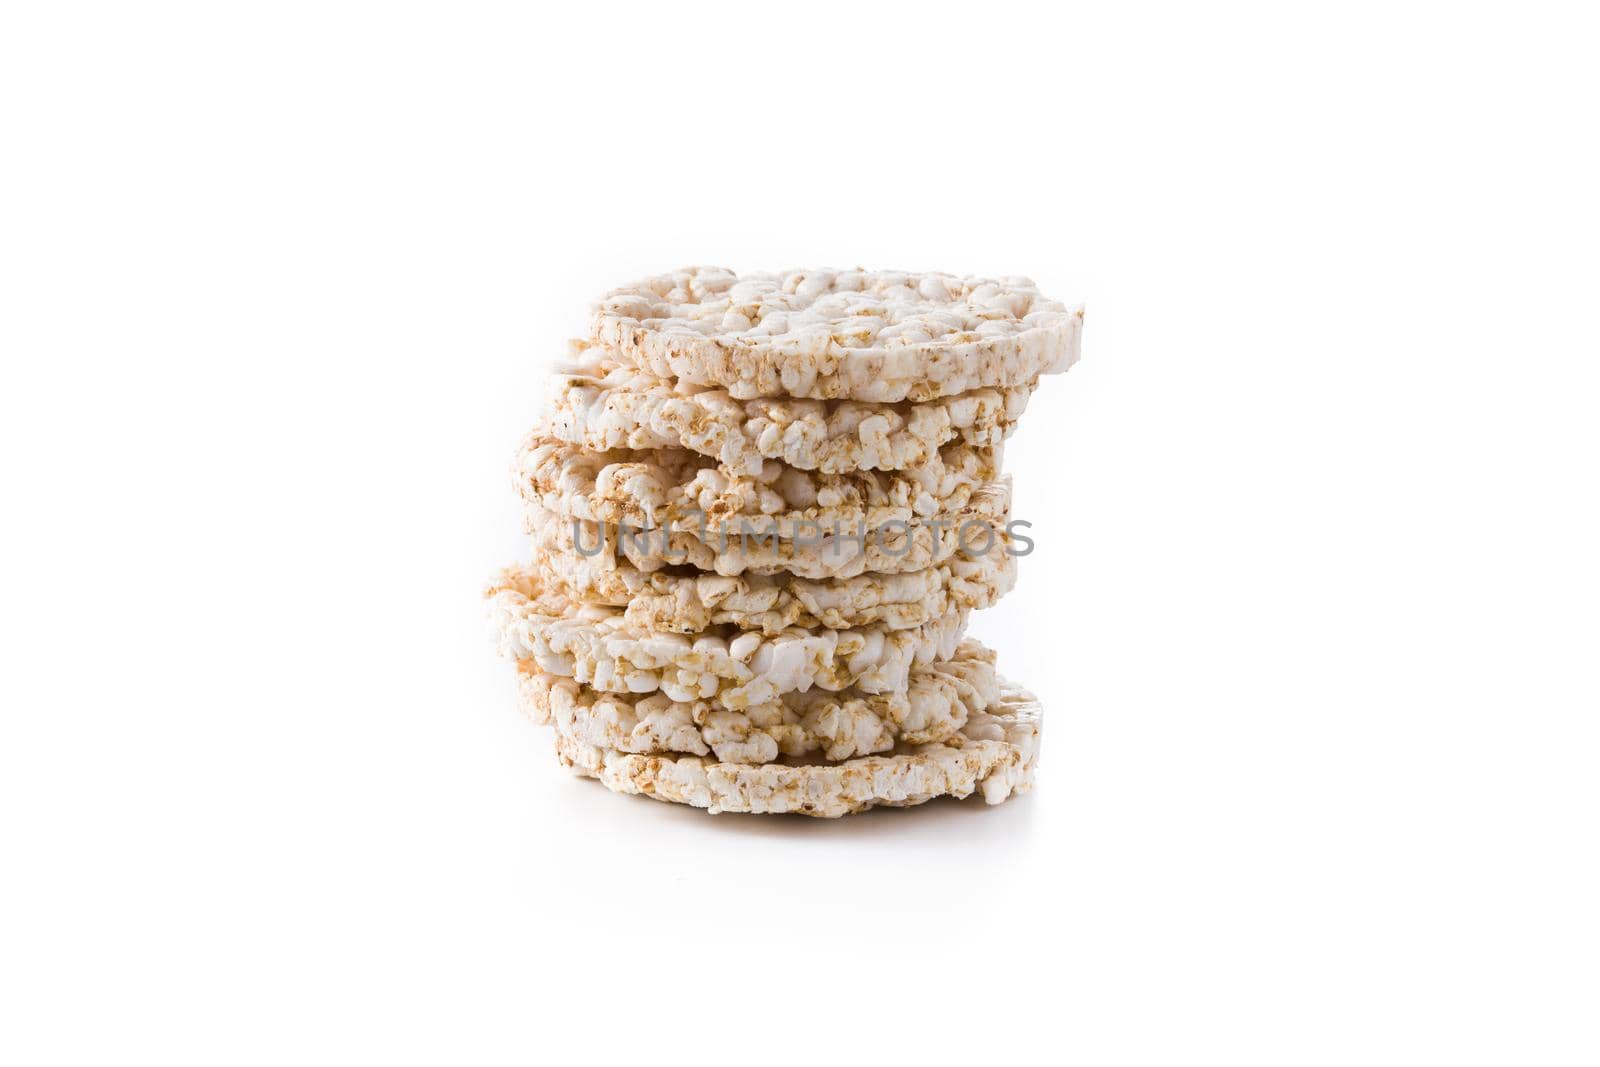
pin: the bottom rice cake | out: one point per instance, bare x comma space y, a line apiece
994, 752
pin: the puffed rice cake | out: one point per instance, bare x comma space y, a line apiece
656, 487
596, 645
879, 336
937, 702
671, 602
599, 405
995, 751
762, 509
842, 552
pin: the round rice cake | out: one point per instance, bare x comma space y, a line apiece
842, 552
995, 751
596, 645
599, 406
668, 601
881, 336
937, 702
657, 487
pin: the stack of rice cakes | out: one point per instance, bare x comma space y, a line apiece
762, 509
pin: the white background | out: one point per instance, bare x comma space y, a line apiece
1314, 611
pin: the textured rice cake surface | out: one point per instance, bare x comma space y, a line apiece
600, 406
880, 336
673, 602
656, 487
994, 752
842, 552
937, 703
596, 645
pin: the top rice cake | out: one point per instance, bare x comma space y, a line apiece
881, 336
